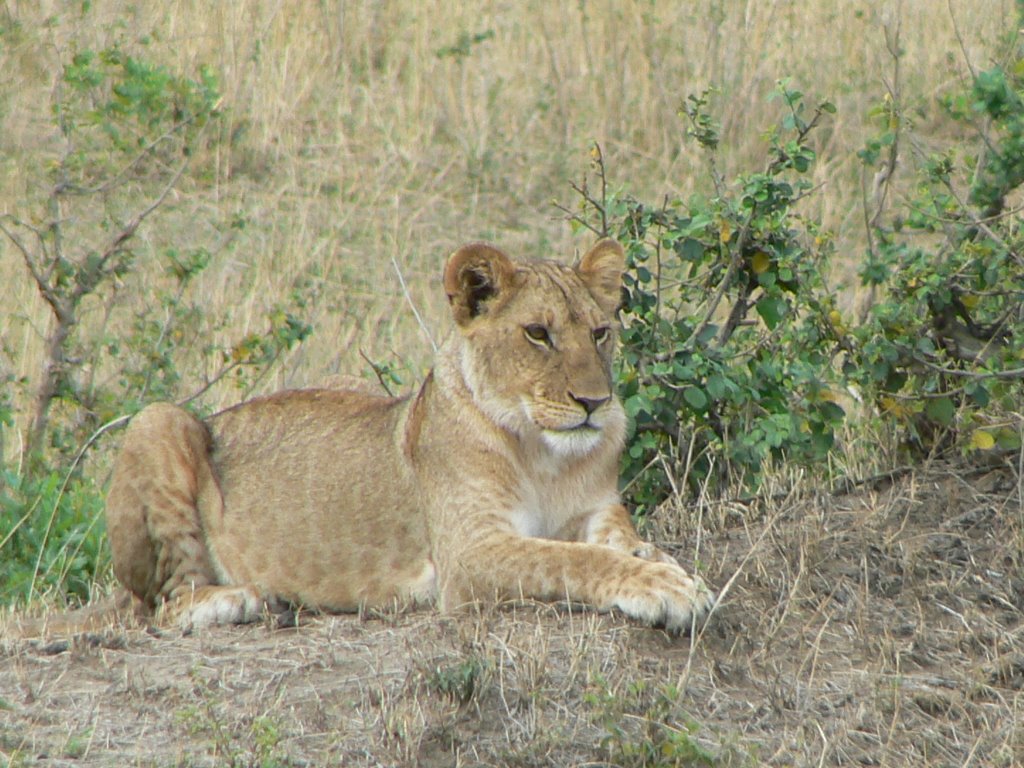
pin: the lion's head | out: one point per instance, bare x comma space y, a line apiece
538, 340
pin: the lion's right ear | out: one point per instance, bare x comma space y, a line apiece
475, 275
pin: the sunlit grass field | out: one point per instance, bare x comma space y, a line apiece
366, 140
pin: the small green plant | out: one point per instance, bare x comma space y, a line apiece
646, 727
459, 681
52, 541
726, 360
464, 45
735, 353
127, 129
77, 745
255, 743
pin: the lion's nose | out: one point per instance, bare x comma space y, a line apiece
590, 404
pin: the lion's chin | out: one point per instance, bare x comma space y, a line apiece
572, 442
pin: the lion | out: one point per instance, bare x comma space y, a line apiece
496, 480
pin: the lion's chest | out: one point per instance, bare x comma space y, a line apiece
551, 506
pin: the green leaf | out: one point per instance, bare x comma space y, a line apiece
691, 250
716, 386
696, 398
941, 409
771, 310
633, 405
979, 394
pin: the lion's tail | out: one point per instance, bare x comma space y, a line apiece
115, 611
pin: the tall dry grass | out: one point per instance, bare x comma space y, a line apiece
354, 148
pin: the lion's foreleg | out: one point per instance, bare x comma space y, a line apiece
510, 566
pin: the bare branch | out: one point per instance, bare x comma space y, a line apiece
597, 205
572, 216
881, 183
981, 223
116, 245
143, 153
209, 384
960, 38
45, 289
723, 286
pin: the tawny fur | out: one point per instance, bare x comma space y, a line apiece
496, 480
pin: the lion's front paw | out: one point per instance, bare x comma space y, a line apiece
663, 594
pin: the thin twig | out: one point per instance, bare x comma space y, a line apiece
881, 183
1013, 373
412, 305
960, 39
980, 222
377, 371
573, 216
210, 383
723, 286
129, 230
143, 153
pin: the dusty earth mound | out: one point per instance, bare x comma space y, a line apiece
877, 627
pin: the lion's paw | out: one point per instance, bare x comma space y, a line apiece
211, 605
663, 594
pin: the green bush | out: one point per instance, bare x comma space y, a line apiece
735, 353
727, 355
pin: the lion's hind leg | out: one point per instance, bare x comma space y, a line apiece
163, 489
153, 520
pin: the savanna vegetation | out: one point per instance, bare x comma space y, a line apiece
820, 203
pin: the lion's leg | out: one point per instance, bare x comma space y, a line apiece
612, 527
510, 566
156, 533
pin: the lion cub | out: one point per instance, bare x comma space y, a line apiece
496, 480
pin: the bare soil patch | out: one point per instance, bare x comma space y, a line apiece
878, 627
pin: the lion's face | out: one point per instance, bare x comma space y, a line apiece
538, 343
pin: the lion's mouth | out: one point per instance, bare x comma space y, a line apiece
583, 427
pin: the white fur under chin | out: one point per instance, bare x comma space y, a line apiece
571, 442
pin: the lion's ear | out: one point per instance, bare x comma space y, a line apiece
601, 269
476, 274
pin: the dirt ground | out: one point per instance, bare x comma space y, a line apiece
878, 626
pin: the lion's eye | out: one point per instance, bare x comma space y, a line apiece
538, 334
602, 334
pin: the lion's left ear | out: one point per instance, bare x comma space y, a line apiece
601, 269
475, 276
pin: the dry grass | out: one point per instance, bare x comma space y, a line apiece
880, 627
354, 147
